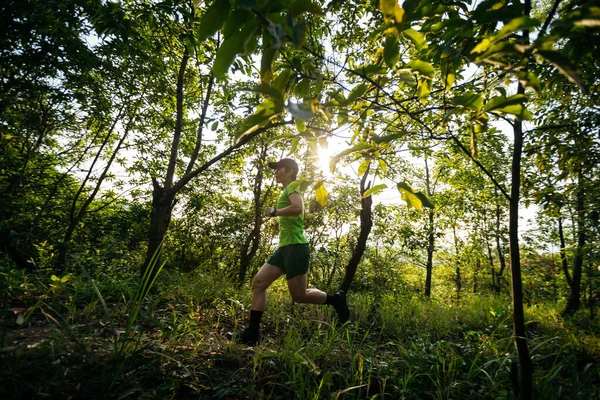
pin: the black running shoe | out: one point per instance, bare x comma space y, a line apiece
341, 306
249, 337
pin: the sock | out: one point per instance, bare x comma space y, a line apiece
332, 300
255, 317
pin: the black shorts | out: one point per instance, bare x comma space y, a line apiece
293, 259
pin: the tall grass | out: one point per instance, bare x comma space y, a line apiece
173, 345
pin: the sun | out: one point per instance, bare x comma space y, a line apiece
324, 157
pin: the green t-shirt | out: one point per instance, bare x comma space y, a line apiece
291, 229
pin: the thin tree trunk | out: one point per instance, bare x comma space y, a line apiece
178, 121
250, 245
574, 299
563, 252
430, 235
476, 274
430, 251
366, 223
457, 279
200, 129
495, 278
499, 244
524, 390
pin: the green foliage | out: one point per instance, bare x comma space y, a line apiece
398, 345
391, 79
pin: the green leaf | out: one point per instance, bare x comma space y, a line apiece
410, 6
302, 89
482, 46
300, 125
510, 27
266, 63
358, 91
299, 34
214, 126
231, 47
423, 90
414, 199
225, 55
382, 165
518, 110
282, 79
529, 80
265, 112
235, 21
422, 67
501, 102
269, 91
517, 24
213, 19
470, 100
354, 149
295, 141
563, 65
299, 7
362, 168
301, 183
407, 77
54, 278
448, 75
391, 51
496, 50
320, 193
302, 111
492, 11
374, 190
388, 138
312, 145
416, 37
391, 11
342, 117
368, 70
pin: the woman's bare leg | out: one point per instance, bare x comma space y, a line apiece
264, 278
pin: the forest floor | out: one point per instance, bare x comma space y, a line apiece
69, 343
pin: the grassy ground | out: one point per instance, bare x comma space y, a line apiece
62, 340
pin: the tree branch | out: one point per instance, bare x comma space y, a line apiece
245, 139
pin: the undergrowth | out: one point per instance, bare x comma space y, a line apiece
60, 341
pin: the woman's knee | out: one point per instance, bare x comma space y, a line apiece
259, 285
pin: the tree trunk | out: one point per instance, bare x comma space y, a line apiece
476, 275
430, 234
366, 223
430, 251
525, 389
574, 299
495, 278
499, 246
163, 201
563, 252
250, 245
457, 278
